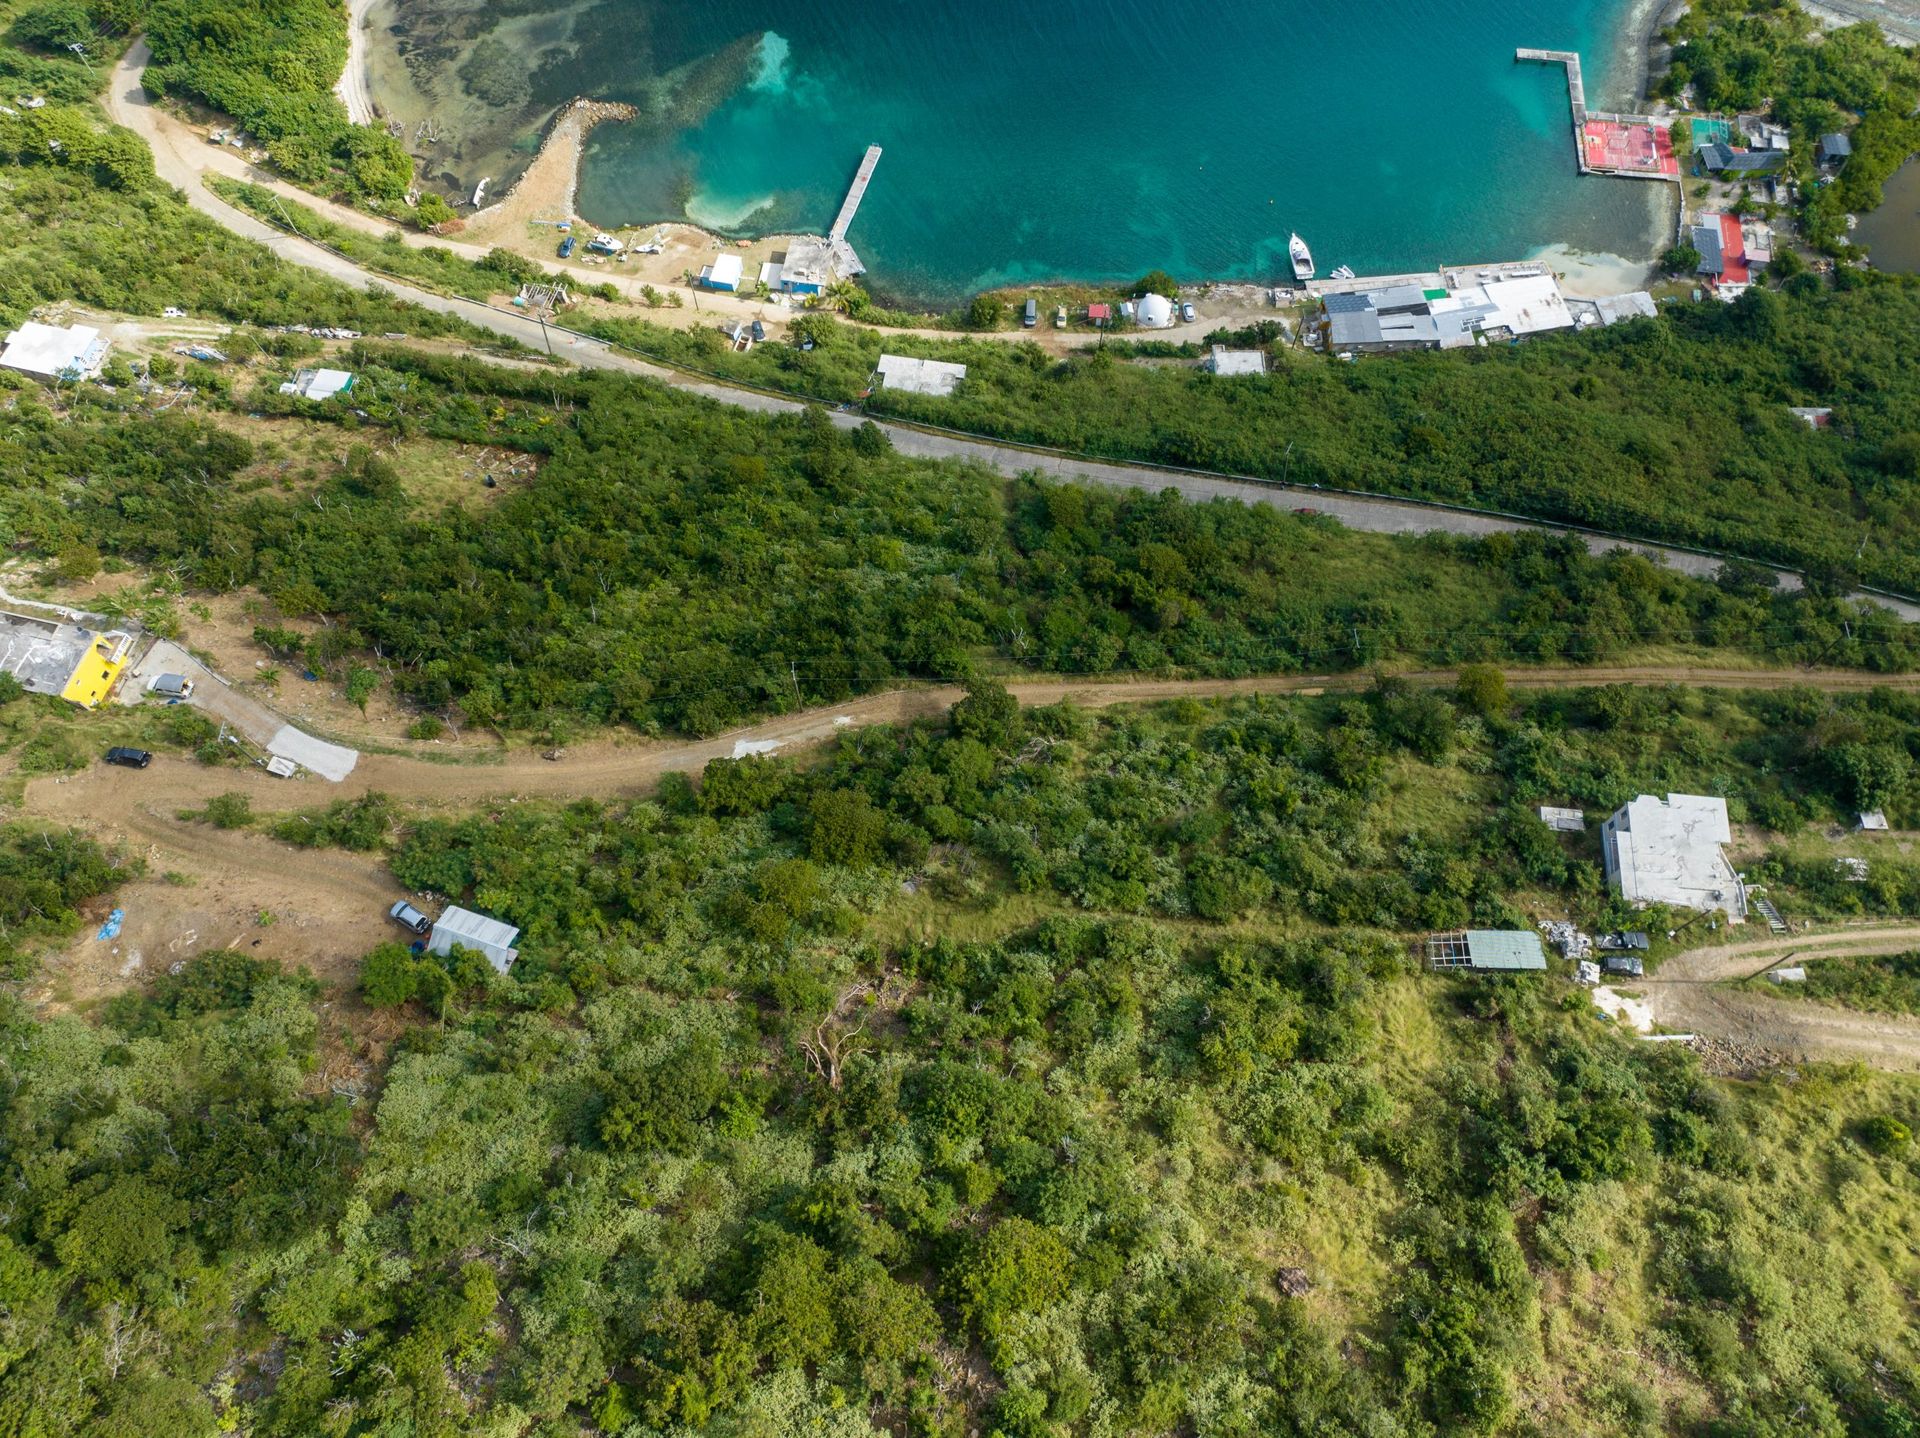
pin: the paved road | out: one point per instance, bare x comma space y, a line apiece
127, 104
1899, 20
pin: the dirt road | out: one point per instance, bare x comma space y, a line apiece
323, 908
623, 766
1690, 994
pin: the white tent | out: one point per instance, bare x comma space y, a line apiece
1154, 312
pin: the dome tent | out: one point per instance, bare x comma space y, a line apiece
1155, 312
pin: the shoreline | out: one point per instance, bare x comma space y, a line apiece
550, 182
352, 87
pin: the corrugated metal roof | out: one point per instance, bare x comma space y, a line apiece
475, 931
1505, 949
1706, 239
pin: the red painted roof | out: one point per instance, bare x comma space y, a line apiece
1733, 252
1099, 312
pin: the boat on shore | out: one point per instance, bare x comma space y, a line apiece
1344, 272
1302, 257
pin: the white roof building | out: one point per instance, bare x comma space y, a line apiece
919, 376
1563, 821
1153, 312
1235, 362
477, 932
52, 352
318, 383
1527, 305
1670, 851
723, 274
1634, 304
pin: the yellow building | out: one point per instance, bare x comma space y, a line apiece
99, 669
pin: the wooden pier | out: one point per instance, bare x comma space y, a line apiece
855, 194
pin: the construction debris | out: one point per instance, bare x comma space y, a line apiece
1567, 938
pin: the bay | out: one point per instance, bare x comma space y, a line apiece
1030, 140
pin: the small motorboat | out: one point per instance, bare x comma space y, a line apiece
1302, 257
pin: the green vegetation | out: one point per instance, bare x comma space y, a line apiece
682, 565
1743, 54
45, 874
138, 249
1673, 428
1880, 983
272, 64
751, 1141
500, 273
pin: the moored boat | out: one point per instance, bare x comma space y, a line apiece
1302, 257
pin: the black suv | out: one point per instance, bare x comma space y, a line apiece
129, 758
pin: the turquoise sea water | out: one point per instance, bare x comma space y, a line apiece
1096, 139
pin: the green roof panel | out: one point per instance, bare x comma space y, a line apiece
1505, 949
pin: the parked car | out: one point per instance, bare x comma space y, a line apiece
1187, 314
406, 915
129, 758
566, 248
171, 686
1060, 317
1623, 966
1030, 316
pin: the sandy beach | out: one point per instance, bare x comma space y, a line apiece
352, 85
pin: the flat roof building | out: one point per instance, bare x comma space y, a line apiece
51, 657
1672, 851
808, 266
72, 352
1488, 951
98, 670
477, 932
1563, 821
1833, 149
919, 376
1635, 304
1410, 316
723, 274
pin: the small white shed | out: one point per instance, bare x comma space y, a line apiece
477, 932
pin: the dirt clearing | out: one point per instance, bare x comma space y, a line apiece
315, 909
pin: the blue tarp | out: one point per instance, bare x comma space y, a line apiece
111, 929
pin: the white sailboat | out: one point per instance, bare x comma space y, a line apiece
1302, 257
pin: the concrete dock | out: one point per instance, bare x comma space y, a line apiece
855, 194
1576, 91
846, 260
1611, 131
